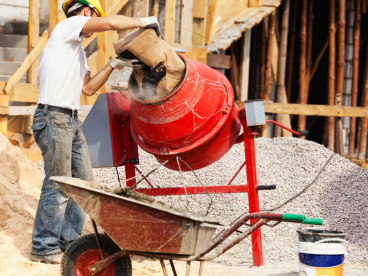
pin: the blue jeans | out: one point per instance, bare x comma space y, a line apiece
59, 220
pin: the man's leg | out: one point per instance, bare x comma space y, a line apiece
55, 141
81, 168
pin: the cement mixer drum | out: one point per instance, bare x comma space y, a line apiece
195, 124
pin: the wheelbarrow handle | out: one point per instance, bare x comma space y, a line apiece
314, 221
301, 219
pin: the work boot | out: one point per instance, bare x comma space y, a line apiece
49, 259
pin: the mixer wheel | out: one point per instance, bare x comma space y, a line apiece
84, 252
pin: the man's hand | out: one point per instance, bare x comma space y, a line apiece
151, 22
120, 63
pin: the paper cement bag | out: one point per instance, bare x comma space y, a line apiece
163, 69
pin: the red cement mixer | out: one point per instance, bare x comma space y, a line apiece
196, 123
188, 124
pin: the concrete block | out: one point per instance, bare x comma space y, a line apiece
11, 40
12, 54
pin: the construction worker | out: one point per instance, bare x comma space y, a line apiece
63, 75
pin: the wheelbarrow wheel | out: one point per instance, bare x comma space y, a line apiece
84, 252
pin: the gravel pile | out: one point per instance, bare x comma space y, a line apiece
339, 195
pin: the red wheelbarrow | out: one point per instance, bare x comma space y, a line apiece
137, 224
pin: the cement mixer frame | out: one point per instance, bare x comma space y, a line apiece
125, 153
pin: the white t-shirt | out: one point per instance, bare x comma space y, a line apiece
63, 65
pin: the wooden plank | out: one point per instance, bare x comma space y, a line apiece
4, 102
280, 91
33, 36
199, 23
127, 11
22, 92
244, 67
234, 73
285, 118
355, 77
222, 41
53, 14
186, 24
303, 99
102, 57
341, 22
20, 124
61, 16
254, 3
4, 110
88, 100
331, 73
15, 125
275, 59
362, 148
241, 17
117, 6
269, 57
200, 9
271, 3
170, 21
220, 12
155, 8
197, 54
140, 8
199, 32
34, 155
313, 110
110, 51
21, 139
111, 36
212, 6
92, 63
87, 41
21, 111
12, 81
218, 61
364, 6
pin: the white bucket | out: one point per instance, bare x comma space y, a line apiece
324, 257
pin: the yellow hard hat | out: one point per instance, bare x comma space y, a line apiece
94, 4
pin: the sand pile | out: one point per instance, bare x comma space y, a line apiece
20, 183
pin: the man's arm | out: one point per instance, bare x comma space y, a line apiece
117, 23
111, 22
91, 85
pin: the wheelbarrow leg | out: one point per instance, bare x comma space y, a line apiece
163, 267
187, 270
200, 268
173, 267
97, 238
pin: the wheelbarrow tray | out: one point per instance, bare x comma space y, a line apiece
136, 225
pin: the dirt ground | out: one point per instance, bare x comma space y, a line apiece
14, 261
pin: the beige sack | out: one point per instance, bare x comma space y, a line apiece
165, 67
